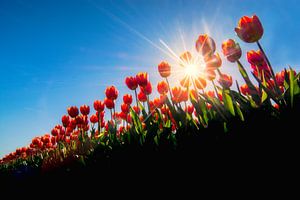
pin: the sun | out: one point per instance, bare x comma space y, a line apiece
191, 70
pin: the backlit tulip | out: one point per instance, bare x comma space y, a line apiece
190, 109
194, 94
185, 82
213, 62
210, 74
98, 105
127, 98
131, 82
73, 111
231, 50
162, 87
85, 110
147, 89
210, 94
111, 92
280, 76
164, 69
200, 83
205, 45
142, 79
249, 29
225, 80
186, 57
176, 91
109, 103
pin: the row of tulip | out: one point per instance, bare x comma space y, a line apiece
181, 107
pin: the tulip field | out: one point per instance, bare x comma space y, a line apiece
204, 118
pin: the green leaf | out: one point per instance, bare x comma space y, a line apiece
228, 102
292, 86
239, 112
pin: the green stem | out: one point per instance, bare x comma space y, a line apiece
170, 91
136, 99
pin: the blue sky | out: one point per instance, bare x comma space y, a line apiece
58, 53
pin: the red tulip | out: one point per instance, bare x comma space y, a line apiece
85, 110
220, 96
125, 108
256, 58
127, 98
231, 50
200, 83
147, 89
142, 96
98, 105
190, 109
55, 132
109, 103
94, 119
276, 106
213, 62
65, 120
245, 89
131, 82
280, 76
162, 87
184, 96
249, 29
164, 69
225, 80
123, 115
142, 79
73, 111
205, 45
111, 92
136, 110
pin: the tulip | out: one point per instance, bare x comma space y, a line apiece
213, 62
131, 82
147, 89
136, 110
109, 103
162, 87
73, 111
185, 82
98, 105
194, 93
111, 93
245, 89
210, 74
142, 97
142, 79
65, 120
176, 91
249, 29
164, 69
225, 80
280, 76
210, 93
55, 132
256, 58
125, 108
200, 83
186, 57
127, 98
94, 119
205, 45
184, 96
190, 109
85, 110
231, 50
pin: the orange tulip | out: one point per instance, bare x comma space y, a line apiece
200, 83
205, 45
147, 89
225, 80
212, 62
231, 50
249, 29
131, 82
162, 87
164, 69
142, 79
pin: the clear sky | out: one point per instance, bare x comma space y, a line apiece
58, 53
